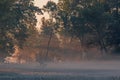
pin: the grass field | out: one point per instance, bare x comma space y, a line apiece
95, 70
15, 76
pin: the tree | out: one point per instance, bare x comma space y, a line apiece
93, 22
17, 18
114, 28
82, 15
6, 15
98, 19
48, 26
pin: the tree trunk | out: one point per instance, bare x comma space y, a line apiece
101, 43
84, 55
48, 45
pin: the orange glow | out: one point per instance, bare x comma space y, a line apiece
40, 4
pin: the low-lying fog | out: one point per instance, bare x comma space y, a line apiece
99, 68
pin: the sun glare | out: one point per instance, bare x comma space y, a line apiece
40, 4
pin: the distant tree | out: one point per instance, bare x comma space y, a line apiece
47, 29
49, 25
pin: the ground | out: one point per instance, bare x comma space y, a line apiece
87, 70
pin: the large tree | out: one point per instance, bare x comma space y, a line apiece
17, 19
93, 22
114, 28
48, 26
85, 19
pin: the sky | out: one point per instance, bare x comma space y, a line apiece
40, 4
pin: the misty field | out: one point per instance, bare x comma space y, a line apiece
14, 76
104, 70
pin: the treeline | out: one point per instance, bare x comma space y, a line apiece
17, 22
93, 22
96, 23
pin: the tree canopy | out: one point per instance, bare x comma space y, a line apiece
17, 18
94, 22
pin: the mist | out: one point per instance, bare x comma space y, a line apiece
62, 40
105, 70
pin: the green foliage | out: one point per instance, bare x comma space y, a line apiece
17, 20
48, 26
50, 6
93, 22
85, 18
